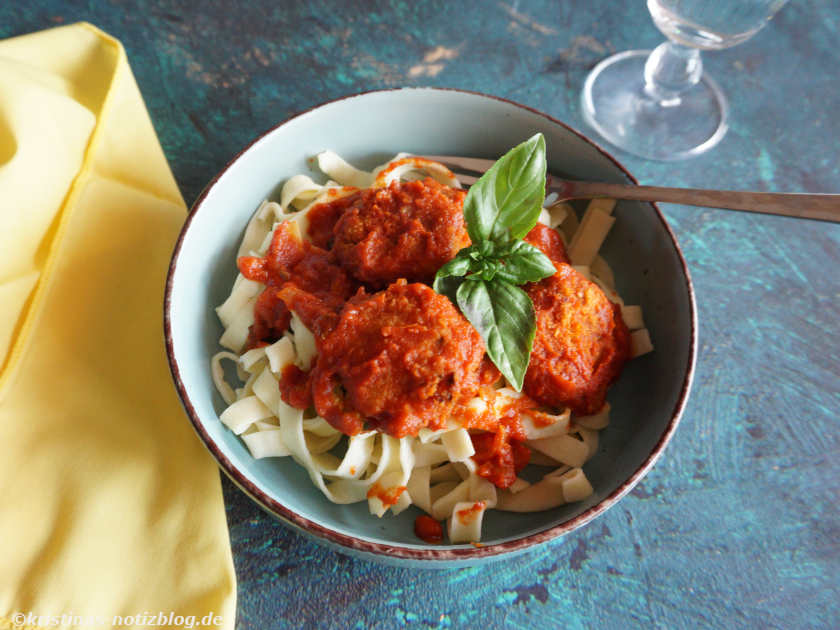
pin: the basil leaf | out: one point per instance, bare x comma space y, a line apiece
503, 315
458, 266
526, 263
449, 286
509, 195
450, 276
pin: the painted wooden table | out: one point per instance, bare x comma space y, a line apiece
738, 525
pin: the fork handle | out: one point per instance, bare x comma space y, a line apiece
823, 207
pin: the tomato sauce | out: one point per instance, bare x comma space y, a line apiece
295, 387
496, 411
499, 456
428, 529
417, 161
489, 374
388, 496
468, 515
271, 318
549, 242
324, 216
299, 277
499, 450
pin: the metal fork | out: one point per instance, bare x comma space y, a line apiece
823, 207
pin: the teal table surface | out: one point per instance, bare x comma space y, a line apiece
738, 525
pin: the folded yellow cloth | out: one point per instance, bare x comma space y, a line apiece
111, 510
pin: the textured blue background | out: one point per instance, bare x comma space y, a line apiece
738, 525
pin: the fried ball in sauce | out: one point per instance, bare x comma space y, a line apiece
397, 361
581, 342
407, 230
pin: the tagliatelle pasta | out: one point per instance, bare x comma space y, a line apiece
435, 470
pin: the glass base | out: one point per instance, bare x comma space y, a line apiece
616, 105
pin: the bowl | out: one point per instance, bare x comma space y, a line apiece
366, 130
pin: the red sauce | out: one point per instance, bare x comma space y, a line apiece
271, 318
499, 456
471, 513
388, 496
549, 242
324, 216
428, 529
299, 277
494, 415
295, 387
542, 419
489, 372
408, 160
500, 451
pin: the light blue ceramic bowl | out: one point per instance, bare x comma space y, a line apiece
366, 130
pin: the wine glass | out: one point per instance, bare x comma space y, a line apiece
660, 104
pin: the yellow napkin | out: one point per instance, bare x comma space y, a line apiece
109, 505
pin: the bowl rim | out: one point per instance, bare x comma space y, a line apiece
433, 555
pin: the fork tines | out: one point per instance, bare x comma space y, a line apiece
477, 165
459, 164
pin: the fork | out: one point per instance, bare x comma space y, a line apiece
822, 207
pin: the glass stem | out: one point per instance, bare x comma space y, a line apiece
671, 69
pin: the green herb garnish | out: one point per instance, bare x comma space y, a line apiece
499, 209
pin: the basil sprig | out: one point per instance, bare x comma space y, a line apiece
499, 209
